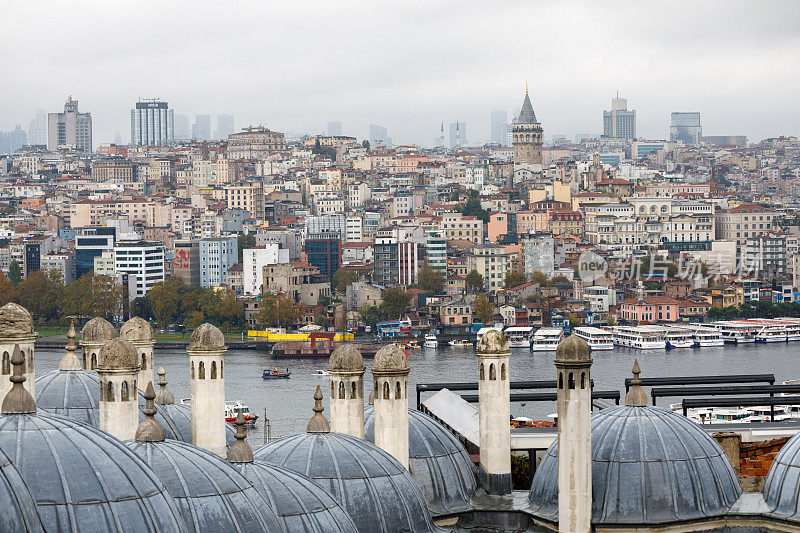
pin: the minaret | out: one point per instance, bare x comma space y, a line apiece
441, 136
139, 333
94, 335
16, 330
494, 413
118, 368
346, 369
207, 388
390, 371
574, 435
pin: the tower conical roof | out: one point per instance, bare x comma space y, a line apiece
526, 115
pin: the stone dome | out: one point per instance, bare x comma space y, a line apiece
346, 358
649, 466
371, 485
97, 330
207, 338
390, 358
117, 354
782, 486
92, 482
19, 509
136, 330
297, 501
15, 321
438, 462
210, 493
492, 342
573, 349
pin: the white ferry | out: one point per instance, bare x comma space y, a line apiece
596, 338
736, 332
546, 339
639, 337
431, 341
705, 337
772, 334
678, 338
519, 336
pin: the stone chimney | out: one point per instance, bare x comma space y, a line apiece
207, 388
94, 335
390, 372
16, 329
118, 368
346, 368
139, 333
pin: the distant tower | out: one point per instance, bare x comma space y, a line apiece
16, 329
441, 136
139, 333
207, 388
346, 369
117, 368
390, 371
574, 435
94, 335
494, 413
458, 136
527, 135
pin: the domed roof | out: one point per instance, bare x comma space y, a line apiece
93, 482
117, 354
390, 358
346, 358
15, 321
372, 486
649, 466
97, 330
296, 500
19, 509
492, 342
210, 493
438, 462
573, 350
782, 487
207, 338
136, 329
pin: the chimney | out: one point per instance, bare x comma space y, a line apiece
207, 388
390, 371
118, 368
346, 369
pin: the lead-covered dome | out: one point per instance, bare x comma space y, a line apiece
136, 329
438, 462
390, 358
205, 338
19, 509
15, 321
649, 466
782, 487
97, 330
346, 358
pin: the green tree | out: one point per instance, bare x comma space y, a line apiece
540, 278
365, 144
165, 301
482, 309
14, 272
195, 319
472, 207
227, 312
559, 279
474, 281
42, 295
245, 241
574, 320
395, 302
368, 314
514, 279
8, 292
342, 279
278, 310
431, 280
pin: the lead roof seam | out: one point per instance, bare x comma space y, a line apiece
672, 490
618, 438
150, 449
306, 510
56, 459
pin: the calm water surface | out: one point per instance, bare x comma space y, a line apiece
288, 402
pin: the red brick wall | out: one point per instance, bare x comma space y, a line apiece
755, 458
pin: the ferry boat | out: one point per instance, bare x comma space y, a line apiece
519, 336
275, 374
736, 332
232, 409
460, 342
484, 330
546, 339
705, 337
596, 338
639, 337
772, 334
431, 341
678, 338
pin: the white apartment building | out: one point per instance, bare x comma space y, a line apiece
354, 229
457, 226
142, 262
359, 194
217, 255
436, 249
742, 222
253, 262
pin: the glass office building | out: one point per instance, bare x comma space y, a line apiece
685, 127
152, 124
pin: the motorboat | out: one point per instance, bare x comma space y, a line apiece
321, 372
546, 339
274, 373
460, 342
232, 410
596, 338
431, 341
519, 336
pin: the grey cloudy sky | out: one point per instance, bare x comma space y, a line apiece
408, 65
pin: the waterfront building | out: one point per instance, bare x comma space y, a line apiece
217, 255
186, 262
253, 262
70, 129
324, 252
152, 123
91, 242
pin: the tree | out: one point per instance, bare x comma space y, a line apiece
42, 295
195, 319
472, 207
514, 279
365, 144
540, 278
482, 309
164, 299
612, 320
14, 272
474, 281
559, 279
395, 302
342, 279
278, 310
574, 320
245, 241
8, 293
431, 280
368, 314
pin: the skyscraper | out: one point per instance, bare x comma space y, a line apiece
499, 127
685, 127
224, 126
458, 134
152, 123
37, 132
70, 128
201, 129
182, 129
334, 128
378, 134
619, 122
527, 135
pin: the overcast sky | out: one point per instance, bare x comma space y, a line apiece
407, 65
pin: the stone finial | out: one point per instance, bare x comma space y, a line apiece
636, 396
15, 321
390, 358
240, 451
117, 354
372, 397
149, 429
492, 342
136, 329
97, 330
18, 400
163, 396
573, 351
346, 358
318, 423
207, 338
70, 361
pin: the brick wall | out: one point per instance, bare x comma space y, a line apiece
755, 458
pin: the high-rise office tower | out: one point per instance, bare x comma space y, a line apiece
182, 128
70, 128
458, 134
37, 132
224, 126
619, 122
527, 135
378, 134
334, 128
152, 123
201, 129
685, 127
499, 127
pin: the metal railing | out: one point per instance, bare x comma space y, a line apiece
467, 386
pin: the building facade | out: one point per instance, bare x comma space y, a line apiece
255, 143
152, 124
70, 129
527, 135
685, 127
142, 263
619, 122
217, 255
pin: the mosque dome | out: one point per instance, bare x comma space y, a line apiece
15, 321
438, 462
136, 330
19, 509
206, 338
492, 342
97, 330
649, 466
782, 486
346, 358
390, 358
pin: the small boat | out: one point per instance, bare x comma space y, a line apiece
461, 342
321, 372
275, 374
431, 341
232, 409
413, 345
